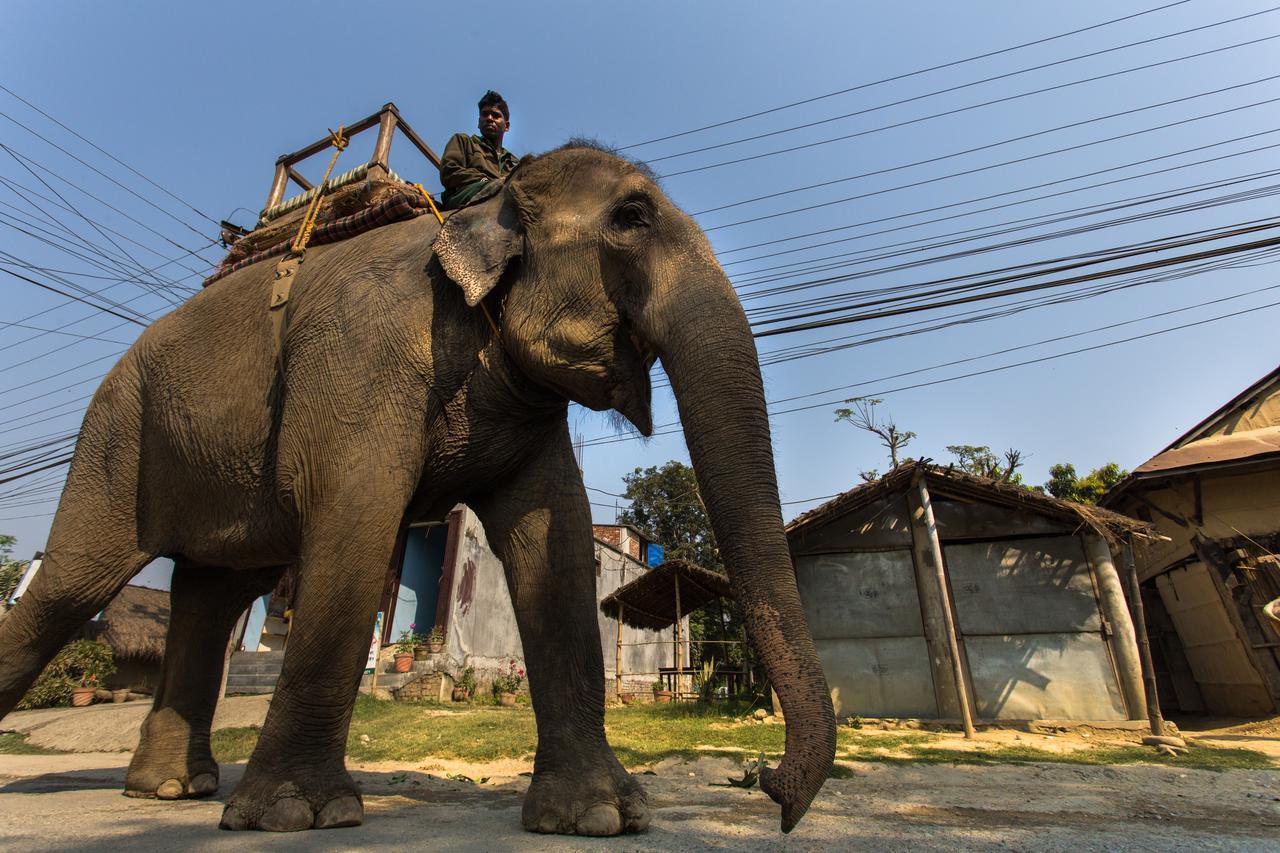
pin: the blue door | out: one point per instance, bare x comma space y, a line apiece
420, 572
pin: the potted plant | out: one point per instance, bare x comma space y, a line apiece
88, 663
121, 695
705, 681
465, 686
660, 692
404, 649
82, 696
435, 640
507, 685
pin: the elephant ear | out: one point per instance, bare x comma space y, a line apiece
476, 243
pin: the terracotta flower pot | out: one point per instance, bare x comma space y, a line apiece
627, 698
404, 661
662, 695
460, 694
118, 696
435, 648
507, 699
420, 653
82, 697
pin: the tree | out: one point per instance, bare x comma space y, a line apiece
11, 571
667, 507
863, 415
980, 461
1064, 483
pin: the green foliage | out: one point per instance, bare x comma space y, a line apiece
408, 641
81, 663
1064, 483
467, 680
11, 571
864, 416
666, 507
981, 462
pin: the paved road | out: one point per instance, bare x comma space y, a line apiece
68, 802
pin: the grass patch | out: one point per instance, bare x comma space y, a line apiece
235, 744
15, 743
645, 734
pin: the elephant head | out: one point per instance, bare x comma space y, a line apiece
600, 273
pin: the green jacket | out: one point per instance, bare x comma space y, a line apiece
468, 163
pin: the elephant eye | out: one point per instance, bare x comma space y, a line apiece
631, 215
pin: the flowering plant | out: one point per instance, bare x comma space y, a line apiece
436, 635
408, 639
509, 681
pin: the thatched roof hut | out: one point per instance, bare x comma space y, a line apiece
135, 623
650, 601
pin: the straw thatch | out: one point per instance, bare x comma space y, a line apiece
135, 623
952, 482
649, 601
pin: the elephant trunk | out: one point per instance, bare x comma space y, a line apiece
705, 344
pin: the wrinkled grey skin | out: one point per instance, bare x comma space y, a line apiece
396, 402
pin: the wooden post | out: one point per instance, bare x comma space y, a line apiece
382, 148
1154, 718
278, 185
617, 660
932, 550
679, 663
1122, 638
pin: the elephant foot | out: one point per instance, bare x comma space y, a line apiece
155, 773
307, 802
602, 799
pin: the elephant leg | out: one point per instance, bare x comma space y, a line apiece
297, 778
173, 759
540, 527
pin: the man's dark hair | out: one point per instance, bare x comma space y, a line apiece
493, 99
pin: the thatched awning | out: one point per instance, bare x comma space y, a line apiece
649, 601
135, 623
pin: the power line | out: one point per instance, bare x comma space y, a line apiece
98, 148
71, 296
896, 77
955, 111
954, 154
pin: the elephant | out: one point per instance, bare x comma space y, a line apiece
391, 400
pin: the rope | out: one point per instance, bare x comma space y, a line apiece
299, 246
440, 218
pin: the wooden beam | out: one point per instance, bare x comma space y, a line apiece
418, 143
932, 552
321, 144
298, 179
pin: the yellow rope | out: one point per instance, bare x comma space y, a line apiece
440, 218
299, 246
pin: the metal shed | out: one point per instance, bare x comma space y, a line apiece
932, 593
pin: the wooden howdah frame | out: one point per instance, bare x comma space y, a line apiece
387, 120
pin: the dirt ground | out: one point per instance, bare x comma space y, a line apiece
58, 802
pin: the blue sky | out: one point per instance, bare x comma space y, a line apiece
202, 99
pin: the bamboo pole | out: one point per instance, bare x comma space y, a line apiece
679, 664
1139, 616
934, 548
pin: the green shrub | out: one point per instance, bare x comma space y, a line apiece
81, 663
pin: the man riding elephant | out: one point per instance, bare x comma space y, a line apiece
469, 161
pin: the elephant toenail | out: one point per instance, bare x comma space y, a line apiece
600, 819
287, 815
171, 789
341, 811
202, 785
233, 819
